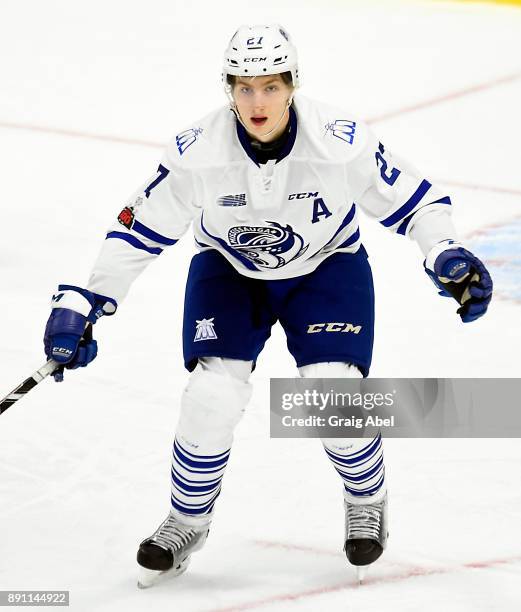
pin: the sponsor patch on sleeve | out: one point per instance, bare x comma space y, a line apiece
126, 217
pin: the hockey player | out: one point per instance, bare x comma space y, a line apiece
272, 183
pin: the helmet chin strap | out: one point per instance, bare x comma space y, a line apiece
239, 118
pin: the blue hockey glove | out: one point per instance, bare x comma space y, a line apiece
458, 273
68, 333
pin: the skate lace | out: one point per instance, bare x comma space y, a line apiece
173, 535
364, 521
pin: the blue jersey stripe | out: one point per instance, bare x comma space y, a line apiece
402, 229
411, 203
347, 220
202, 244
135, 242
350, 241
149, 233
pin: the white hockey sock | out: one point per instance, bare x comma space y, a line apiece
360, 463
211, 406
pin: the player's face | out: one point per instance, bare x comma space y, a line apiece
262, 103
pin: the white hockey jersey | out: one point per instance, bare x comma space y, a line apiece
271, 221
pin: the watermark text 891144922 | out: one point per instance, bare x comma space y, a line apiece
34, 598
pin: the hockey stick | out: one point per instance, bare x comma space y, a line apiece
50, 367
29, 383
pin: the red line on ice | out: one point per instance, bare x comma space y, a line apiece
150, 143
446, 97
311, 549
79, 134
427, 103
408, 109
514, 192
484, 229
500, 262
409, 572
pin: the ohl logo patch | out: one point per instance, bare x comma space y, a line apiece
271, 246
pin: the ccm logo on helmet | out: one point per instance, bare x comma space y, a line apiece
255, 59
316, 328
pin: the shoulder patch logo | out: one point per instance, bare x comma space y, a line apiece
343, 129
187, 138
204, 330
232, 200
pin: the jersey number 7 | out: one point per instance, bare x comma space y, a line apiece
163, 173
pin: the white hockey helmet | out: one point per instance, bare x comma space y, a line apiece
259, 50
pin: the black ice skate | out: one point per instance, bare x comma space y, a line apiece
168, 550
366, 533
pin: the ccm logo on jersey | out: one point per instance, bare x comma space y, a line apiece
303, 195
316, 328
319, 206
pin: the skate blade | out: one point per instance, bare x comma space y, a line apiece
361, 572
148, 578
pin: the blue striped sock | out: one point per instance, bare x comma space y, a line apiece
362, 470
196, 480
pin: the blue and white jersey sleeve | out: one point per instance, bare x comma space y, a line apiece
394, 192
155, 217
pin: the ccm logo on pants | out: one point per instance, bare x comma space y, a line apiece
315, 328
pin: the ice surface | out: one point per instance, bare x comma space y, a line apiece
84, 466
